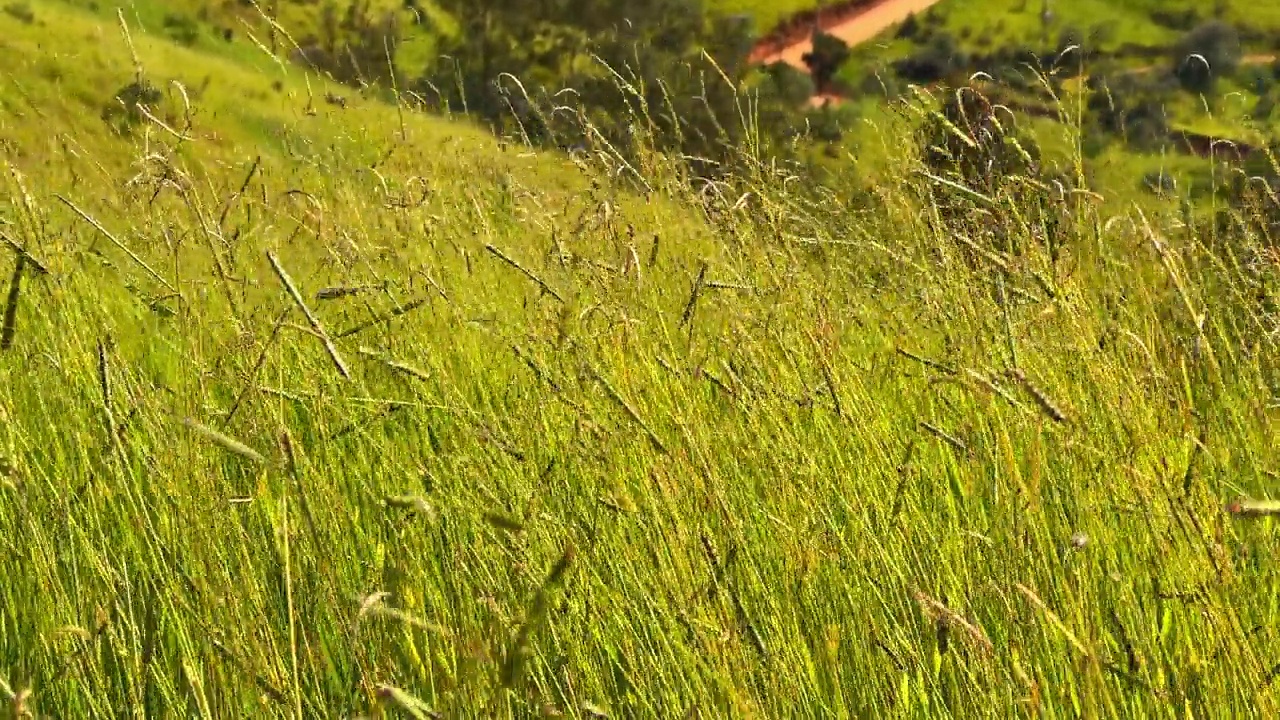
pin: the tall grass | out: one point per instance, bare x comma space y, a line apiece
285, 436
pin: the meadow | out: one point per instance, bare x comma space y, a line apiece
344, 410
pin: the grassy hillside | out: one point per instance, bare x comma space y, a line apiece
1130, 46
765, 13
325, 411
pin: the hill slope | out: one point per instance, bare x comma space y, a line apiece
313, 414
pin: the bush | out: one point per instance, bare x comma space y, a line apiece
975, 144
352, 49
1159, 182
941, 59
21, 12
124, 111
1128, 110
786, 83
1072, 52
1101, 34
1264, 108
1094, 141
1205, 54
828, 54
1258, 79
971, 140
909, 28
181, 29
827, 123
877, 84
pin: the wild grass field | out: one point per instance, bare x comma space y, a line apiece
325, 411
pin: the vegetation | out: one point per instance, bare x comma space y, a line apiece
828, 54
570, 76
1206, 54
345, 408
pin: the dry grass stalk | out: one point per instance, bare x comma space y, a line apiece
396, 365
1053, 619
406, 703
114, 241
946, 437
926, 362
1246, 508
257, 366
537, 611
1049, 407
339, 292
526, 272
938, 611
687, 316
22, 252
225, 442
630, 411
407, 307
311, 318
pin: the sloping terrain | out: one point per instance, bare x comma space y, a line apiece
319, 407
856, 25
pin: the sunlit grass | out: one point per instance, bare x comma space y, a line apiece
514, 439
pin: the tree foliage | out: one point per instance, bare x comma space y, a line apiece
571, 73
824, 60
354, 46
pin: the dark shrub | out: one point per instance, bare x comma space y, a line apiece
940, 59
1205, 54
1127, 109
21, 12
828, 54
1159, 182
181, 29
124, 111
909, 28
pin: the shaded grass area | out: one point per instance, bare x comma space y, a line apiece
496, 433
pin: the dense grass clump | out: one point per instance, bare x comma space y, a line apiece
363, 412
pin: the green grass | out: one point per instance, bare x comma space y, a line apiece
650, 454
766, 13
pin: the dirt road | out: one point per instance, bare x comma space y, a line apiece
856, 26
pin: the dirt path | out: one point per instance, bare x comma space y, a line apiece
854, 26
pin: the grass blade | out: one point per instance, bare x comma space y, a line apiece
311, 318
11, 304
115, 241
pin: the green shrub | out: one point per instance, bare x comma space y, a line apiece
124, 111
909, 28
182, 29
940, 59
828, 54
1206, 54
21, 12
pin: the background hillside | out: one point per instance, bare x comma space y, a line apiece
1125, 103
338, 379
